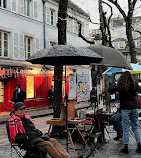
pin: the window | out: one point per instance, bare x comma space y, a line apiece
3, 3
116, 45
122, 44
138, 44
52, 44
52, 13
30, 86
1, 92
27, 44
27, 7
3, 44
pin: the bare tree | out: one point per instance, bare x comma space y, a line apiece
104, 24
58, 70
128, 20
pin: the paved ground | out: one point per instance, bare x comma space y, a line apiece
111, 149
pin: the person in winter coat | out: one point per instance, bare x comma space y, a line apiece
18, 95
51, 96
23, 130
128, 88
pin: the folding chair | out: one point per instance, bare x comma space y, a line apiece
91, 137
24, 152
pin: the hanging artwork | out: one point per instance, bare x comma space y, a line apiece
72, 86
83, 85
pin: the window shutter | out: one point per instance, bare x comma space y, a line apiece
48, 15
37, 44
82, 29
76, 27
15, 46
21, 6
35, 10
22, 56
48, 44
55, 18
14, 5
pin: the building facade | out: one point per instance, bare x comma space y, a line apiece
21, 27
119, 39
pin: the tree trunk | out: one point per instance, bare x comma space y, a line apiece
102, 27
57, 90
58, 69
131, 44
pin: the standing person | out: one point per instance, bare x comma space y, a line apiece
128, 88
18, 95
22, 130
93, 95
51, 96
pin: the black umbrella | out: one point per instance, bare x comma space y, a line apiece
111, 57
65, 55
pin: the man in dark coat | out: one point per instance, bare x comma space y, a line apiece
23, 130
18, 95
51, 96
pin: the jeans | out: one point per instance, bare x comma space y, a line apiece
128, 115
116, 121
53, 148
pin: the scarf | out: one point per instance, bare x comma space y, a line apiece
16, 127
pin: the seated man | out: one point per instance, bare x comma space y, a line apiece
23, 130
116, 121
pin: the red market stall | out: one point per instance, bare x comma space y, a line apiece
35, 80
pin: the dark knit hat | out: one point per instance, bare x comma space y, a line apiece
19, 105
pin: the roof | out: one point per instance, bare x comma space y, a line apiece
75, 7
138, 38
119, 39
119, 21
19, 63
126, 50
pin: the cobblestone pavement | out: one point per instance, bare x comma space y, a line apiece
111, 149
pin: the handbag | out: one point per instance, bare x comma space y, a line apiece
139, 101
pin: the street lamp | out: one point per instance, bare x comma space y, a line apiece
44, 23
98, 39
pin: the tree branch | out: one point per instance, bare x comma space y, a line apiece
137, 31
80, 28
94, 22
119, 8
134, 3
111, 12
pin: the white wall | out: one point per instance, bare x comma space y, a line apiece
18, 25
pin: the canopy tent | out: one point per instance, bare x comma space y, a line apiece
136, 69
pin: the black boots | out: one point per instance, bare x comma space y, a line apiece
139, 148
125, 149
119, 135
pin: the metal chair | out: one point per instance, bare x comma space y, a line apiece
27, 152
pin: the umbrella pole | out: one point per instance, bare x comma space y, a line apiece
66, 98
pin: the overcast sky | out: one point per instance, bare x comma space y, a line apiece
91, 7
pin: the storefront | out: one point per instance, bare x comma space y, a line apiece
36, 80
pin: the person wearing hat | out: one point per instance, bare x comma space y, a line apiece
23, 130
18, 95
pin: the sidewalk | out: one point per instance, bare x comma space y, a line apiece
46, 111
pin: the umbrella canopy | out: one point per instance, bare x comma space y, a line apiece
136, 69
65, 55
111, 57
